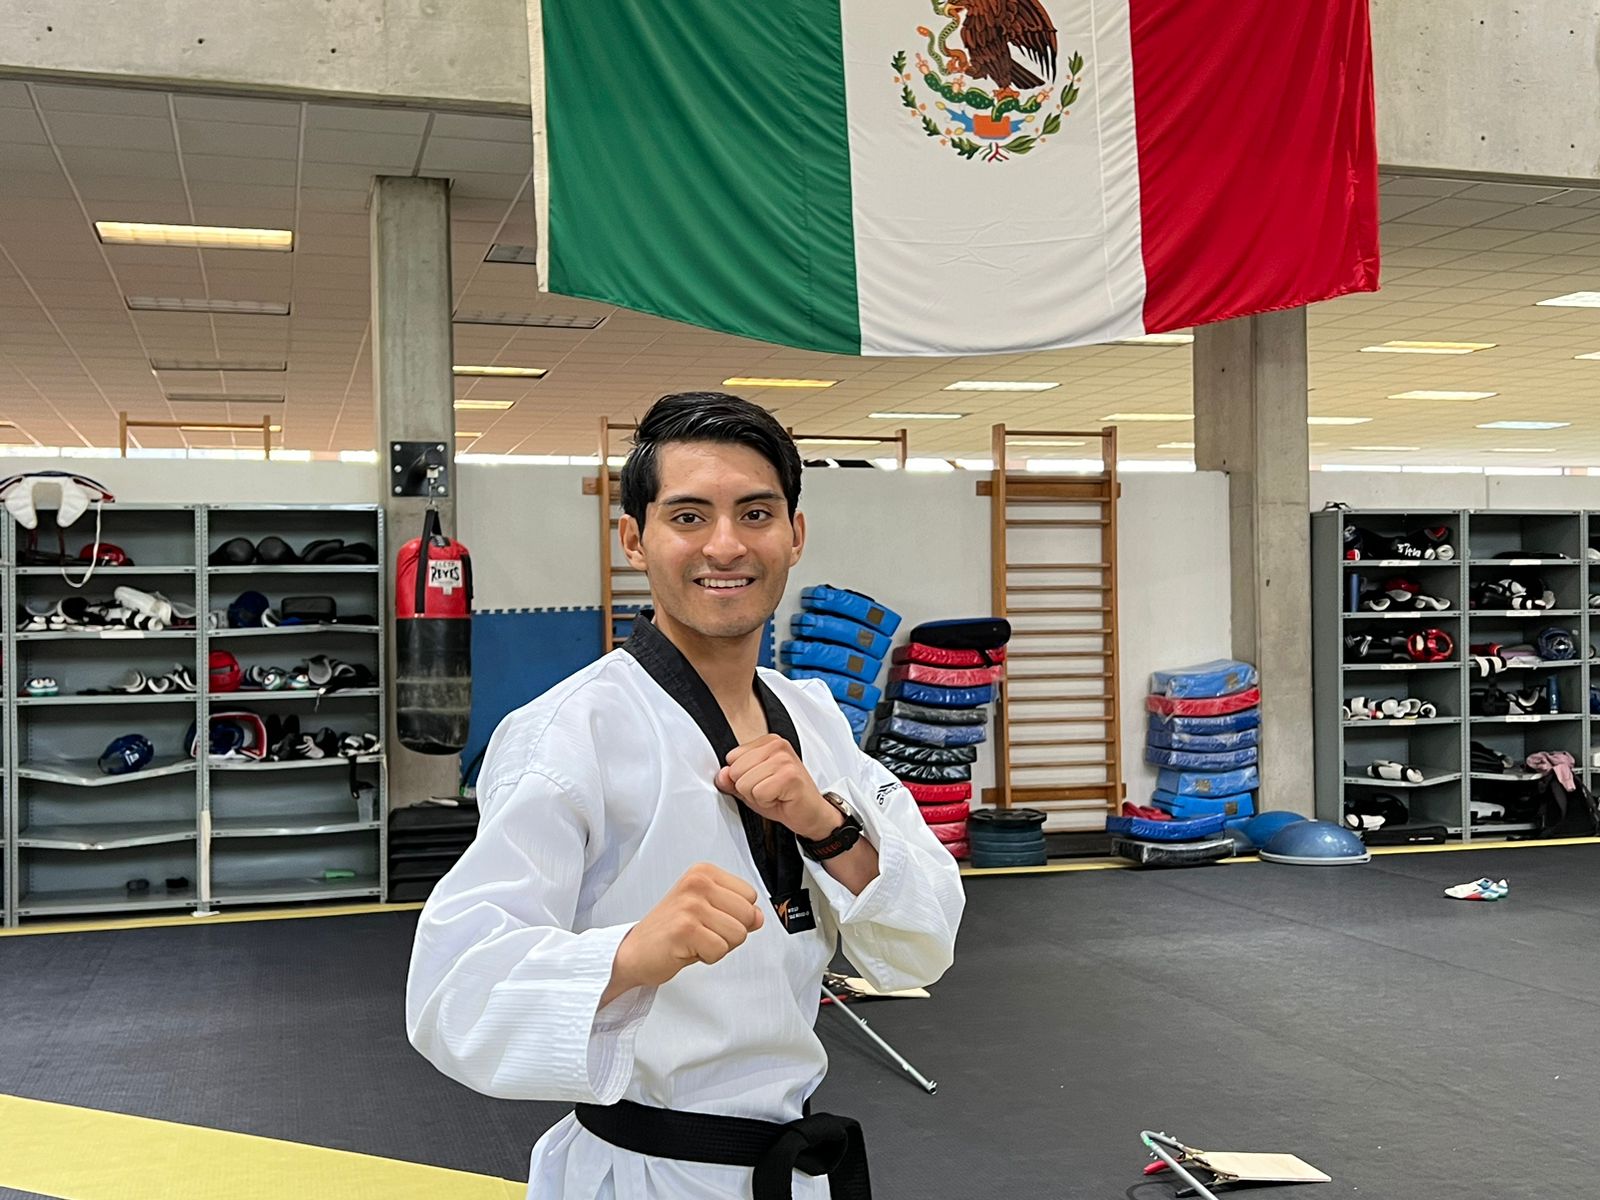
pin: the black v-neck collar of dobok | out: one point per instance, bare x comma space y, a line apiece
773, 847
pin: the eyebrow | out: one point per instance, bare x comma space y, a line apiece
753, 497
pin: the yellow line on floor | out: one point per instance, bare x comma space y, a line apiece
84, 1154
229, 917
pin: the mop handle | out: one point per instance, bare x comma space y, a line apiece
1158, 1144
927, 1084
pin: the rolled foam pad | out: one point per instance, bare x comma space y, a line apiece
842, 602
1172, 854
825, 656
1219, 677
842, 632
916, 752
953, 831
941, 814
1237, 702
1188, 760
932, 735
845, 690
1143, 829
1208, 783
944, 676
1186, 807
970, 633
1249, 718
957, 849
928, 772
935, 656
938, 793
859, 719
1203, 743
932, 715
940, 697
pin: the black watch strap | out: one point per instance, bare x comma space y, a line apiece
836, 843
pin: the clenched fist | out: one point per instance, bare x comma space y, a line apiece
707, 914
768, 776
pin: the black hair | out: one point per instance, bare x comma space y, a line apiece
705, 417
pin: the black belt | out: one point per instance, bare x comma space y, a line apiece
818, 1144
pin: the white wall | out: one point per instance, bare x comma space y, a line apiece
1373, 489
918, 543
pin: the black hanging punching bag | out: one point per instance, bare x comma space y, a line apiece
433, 642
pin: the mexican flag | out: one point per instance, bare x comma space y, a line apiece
947, 177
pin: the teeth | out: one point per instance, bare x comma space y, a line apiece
724, 583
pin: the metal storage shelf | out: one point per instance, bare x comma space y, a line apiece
294, 630
113, 835
68, 846
112, 698
1478, 538
1428, 780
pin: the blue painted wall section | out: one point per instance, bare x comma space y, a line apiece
518, 654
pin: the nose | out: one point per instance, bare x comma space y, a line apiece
725, 546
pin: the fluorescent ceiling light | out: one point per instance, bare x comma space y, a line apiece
1525, 425
1046, 442
1063, 466
1573, 300
1592, 355
912, 416
1426, 394
1523, 471
1380, 468
1136, 416
1157, 339
1383, 449
1156, 466
1337, 420
997, 385
193, 237
1523, 450
462, 434
836, 441
258, 308
500, 253
527, 319
757, 381
1176, 446
1437, 469
929, 464
484, 405
1428, 347
358, 456
217, 364
975, 464
502, 372
225, 397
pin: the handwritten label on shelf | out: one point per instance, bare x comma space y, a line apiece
1523, 717
1402, 721
1398, 667
122, 633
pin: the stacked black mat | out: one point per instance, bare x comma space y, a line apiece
425, 841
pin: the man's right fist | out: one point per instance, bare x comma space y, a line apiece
706, 914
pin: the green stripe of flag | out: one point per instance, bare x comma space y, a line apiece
732, 207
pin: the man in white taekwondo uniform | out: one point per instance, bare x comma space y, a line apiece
672, 842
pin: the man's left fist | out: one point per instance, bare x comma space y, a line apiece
768, 776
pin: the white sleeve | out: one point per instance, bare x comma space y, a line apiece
502, 996
901, 930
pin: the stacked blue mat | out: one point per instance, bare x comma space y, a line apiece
1202, 730
841, 638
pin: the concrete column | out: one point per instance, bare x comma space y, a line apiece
1250, 421
414, 397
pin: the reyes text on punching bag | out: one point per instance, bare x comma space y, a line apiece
433, 642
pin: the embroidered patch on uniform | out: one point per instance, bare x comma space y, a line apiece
885, 791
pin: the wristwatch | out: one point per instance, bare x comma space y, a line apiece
840, 840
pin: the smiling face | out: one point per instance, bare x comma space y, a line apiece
717, 542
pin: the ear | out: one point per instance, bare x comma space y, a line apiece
799, 545
632, 542
18, 494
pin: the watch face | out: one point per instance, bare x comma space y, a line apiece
844, 805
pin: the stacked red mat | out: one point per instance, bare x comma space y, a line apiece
945, 806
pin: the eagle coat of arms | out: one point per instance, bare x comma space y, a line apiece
991, 76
